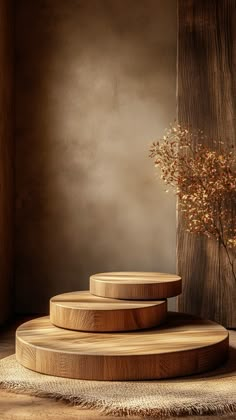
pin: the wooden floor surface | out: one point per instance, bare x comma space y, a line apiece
24, 407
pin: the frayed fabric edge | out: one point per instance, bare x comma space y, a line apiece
110, 408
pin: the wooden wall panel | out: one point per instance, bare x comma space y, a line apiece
206, 97
6, 157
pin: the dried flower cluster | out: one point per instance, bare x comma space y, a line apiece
205, 181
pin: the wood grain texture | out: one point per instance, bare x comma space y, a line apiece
6, 158
206, 97
135, 285
83, 311
185, 345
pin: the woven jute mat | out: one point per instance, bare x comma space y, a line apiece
210, 393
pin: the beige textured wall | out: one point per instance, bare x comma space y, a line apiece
6, 157
95, 83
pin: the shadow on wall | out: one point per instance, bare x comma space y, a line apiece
95, 83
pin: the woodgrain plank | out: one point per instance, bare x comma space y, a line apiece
206, 96
183, 346
83, 311
135, 285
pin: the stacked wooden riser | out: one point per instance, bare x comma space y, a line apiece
121, 330
83, 311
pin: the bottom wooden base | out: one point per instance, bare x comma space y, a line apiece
183, 346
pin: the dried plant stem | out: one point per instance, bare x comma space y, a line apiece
222, 242
231, 261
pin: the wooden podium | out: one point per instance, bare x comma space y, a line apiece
107, 338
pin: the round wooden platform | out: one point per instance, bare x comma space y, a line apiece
185, 345
85, 312
135, 285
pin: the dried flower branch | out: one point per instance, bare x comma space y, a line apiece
204, 179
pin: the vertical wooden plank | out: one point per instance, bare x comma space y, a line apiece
6, 156
206, 97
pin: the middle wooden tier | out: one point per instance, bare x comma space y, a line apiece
83, 311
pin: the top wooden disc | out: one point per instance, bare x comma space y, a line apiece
83, 311
135, 285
